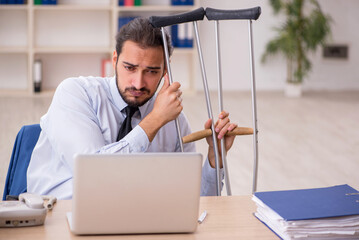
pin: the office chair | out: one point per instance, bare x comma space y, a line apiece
25, 142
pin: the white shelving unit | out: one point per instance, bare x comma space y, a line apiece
71, 39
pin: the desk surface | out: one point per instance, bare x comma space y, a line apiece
227, 218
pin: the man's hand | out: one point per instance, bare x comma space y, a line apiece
167, 107
168, 104
222, 126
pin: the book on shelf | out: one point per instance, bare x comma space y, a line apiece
139, 2
37, 75
318, 213
106, 69
181, 2
124, 20
12, 1
129, 3
45, 2
182, 35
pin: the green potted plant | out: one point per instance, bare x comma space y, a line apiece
305, 28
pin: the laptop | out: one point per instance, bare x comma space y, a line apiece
135, 193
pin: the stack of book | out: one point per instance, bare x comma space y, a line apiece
320, 213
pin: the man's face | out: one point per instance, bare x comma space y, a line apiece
138, 72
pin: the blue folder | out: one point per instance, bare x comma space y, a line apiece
292, 205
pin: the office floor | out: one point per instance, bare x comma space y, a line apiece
308, 142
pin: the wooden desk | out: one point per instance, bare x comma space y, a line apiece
227, 218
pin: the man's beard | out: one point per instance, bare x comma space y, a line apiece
135, 102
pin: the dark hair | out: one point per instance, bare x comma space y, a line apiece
143, 33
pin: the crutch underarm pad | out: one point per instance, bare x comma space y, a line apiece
163, 21
218, 14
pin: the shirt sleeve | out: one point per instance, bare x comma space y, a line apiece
209, 176
209, 179
72, 125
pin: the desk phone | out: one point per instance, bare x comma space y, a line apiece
28, 211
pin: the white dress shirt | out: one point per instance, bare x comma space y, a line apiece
84, 117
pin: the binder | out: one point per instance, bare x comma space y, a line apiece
175, 2
174, 35
181, 2
12, 2
37, 75
182, 35
189, 35
325, 213
314, 203
49, 2
123, 21
106, 68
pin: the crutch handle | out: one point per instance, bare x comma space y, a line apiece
163, 21
208, 132
219, 14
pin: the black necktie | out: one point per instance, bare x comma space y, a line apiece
126, 125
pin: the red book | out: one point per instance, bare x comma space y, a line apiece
129, 2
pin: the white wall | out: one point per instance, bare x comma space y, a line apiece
327, 74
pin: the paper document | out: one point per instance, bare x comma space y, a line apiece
320, 213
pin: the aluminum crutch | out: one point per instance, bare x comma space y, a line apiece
243, 14
194, 16
162, 22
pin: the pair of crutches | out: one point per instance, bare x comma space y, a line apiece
216, 15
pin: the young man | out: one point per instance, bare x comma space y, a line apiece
86, 115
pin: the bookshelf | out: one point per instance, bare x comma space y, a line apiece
70, 38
